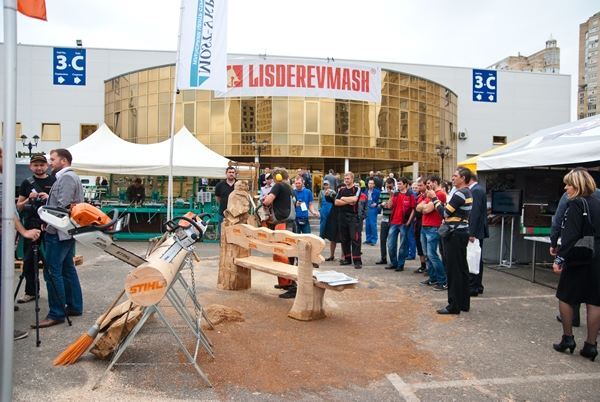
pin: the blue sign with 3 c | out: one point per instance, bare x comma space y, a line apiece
484, 86
69, 66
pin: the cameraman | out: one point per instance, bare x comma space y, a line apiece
33, 193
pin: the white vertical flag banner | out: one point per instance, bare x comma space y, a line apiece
202, 60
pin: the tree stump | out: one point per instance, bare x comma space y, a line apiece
232, 277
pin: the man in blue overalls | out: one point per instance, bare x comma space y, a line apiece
373, 211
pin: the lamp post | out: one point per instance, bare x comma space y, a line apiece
443, 151
29, 145
258, 148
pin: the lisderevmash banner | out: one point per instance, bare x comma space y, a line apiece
203, 46
286, 77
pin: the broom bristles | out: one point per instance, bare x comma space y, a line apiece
74, 351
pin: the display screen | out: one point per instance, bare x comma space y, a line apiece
507, 202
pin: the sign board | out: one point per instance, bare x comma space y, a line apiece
69, 66
484, 86
284, 77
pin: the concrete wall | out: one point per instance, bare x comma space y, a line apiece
39, 101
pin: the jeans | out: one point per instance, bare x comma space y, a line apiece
412, 242
398, 254
62, 282
371, 225
430, 239
304, 228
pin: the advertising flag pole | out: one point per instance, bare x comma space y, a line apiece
8, 200
173, 105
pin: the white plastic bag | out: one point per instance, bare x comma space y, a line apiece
473, 256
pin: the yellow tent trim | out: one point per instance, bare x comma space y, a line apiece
471, 163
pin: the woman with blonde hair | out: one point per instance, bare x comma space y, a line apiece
578, 261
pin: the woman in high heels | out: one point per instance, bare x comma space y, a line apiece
578, 261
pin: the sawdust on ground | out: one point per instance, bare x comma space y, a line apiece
363, 338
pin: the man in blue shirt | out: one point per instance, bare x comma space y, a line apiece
304, 204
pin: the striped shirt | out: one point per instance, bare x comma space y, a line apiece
456, 211
383, 199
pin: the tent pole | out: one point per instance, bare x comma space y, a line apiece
170, 187
8, 200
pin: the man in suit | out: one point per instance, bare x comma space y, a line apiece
478, 229
64, 288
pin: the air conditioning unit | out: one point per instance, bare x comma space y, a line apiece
462, 135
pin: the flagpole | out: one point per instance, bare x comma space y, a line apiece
172, 140
8, 200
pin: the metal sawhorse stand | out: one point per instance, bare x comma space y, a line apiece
192, 321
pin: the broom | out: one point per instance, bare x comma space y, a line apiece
78, 348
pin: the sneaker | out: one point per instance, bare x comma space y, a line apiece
420, 270
19, 334
428, 282
381, 262
358, 266
400, 268
26, 299
390, 267
439, 287
345, 262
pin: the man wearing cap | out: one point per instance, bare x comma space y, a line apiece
33, 193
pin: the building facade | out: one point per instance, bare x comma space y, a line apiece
63, 115
402, 132
546, 60
589, 68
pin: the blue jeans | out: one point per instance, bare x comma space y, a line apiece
430, 239
304, 228
371, 225
62, 282
412, 242
398, 254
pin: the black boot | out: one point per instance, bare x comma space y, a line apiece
567, 342
589, 351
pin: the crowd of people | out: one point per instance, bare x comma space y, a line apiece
425, 218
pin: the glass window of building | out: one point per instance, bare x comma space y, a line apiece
50, 132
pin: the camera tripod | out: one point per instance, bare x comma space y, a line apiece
35, 247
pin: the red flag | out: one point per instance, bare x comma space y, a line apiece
33, 8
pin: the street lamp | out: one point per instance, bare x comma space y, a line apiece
258, 148
29, 145
443, 151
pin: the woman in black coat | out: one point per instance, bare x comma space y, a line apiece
578, 261
331, 231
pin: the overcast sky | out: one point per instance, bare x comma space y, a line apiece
446, 32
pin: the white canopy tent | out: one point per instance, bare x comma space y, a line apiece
570, 143
105, 152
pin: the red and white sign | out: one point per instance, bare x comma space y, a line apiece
295, 78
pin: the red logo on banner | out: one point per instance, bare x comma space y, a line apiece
234, 76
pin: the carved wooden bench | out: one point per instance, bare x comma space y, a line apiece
308, 304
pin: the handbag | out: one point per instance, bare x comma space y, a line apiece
445, 230
585, 249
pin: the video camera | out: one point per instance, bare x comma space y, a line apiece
32, 219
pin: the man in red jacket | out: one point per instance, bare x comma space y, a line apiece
403, 212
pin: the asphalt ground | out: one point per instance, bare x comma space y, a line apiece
500, 350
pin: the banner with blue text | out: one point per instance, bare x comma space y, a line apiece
203, 45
